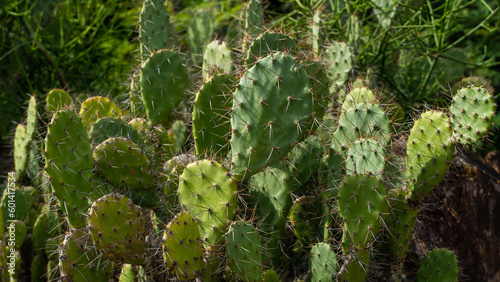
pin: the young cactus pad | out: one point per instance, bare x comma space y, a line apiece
366, 156
438, 265
163, 80
472, 113
119, 229
271, 109
339, 58
211, 106
57, 99
429, 152
20, 151
209, 194
107, 127
363, 205
217, 58
244, 251
69, 164
97, 107
121, 161
183, 247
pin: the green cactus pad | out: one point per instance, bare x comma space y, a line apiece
319, 84
271, 110
269, 43
120, 160
20, 151
217, 58
316, 36
19, 230
429, 152
58, 99
366, 156
79, 260
154, 27
244, 251
363, 121
472, 113
211, 127
18, 198
438, 265
163, 80
364, 205
183, 247
119, 229
306, 217
69, 164
400, 222
141, 125
179, 133
271, 189
339, 59
46, 226
31, 118
305, 159
209, 194
322, 263
108, 127
39, 268
358, 95
97, 107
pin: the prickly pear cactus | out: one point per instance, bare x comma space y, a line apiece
268, 43
472, 112
271, 109
80, 261
211, 114
58, 99
244, 251
322, 263
154, 27
119, 229
438, 265
429, 152
364, 205
121, 161
254, 18
69, 164
366, 156
183, 247
108, 127
97, 107
217, 58
20, 151
358, 95
208, 192
339, 59
163, 81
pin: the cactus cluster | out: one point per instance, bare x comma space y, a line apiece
261, 172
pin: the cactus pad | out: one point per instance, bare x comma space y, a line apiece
211, 127
438, 265
154, 28
271, 109
69, 164
80, 261
364, 205
163, 80
209, 194
472, 113
97, 107
58, 99
322, 263
217, 58
429, 153
244, 251
269, 43
339, 59
20, 151
119, 229
183, 247
366, 156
